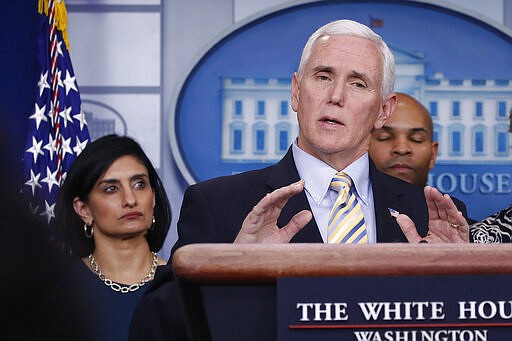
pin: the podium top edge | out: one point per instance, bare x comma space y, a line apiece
264, 263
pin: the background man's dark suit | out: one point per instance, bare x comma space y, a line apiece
213, 210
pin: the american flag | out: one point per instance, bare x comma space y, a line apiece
58, 130
376, 22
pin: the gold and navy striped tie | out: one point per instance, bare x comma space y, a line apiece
346, 220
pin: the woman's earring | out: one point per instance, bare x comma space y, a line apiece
153, 224
89, 230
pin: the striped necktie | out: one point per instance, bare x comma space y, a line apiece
346, 220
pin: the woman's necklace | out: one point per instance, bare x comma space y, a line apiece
124, 288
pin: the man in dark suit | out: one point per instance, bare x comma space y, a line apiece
341, 92
404, 146
225, 202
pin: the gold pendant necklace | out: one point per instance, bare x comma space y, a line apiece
124, 288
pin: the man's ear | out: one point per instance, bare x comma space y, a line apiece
387, 109
82, 210
435, 147
295, 91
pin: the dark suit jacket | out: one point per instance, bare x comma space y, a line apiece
213, 210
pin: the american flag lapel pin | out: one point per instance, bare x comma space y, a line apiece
394, 213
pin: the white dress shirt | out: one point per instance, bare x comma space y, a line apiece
318, 175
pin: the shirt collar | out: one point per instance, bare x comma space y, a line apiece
359, 172
317, 174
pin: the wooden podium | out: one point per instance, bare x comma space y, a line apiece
252, 264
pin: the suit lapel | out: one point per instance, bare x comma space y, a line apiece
283, 174
389, 192
385, 197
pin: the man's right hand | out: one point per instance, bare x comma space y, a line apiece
260, 225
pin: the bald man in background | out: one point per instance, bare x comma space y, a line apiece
404, 147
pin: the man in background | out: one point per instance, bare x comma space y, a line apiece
405, 148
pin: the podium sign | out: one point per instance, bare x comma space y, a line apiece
409, 308
387, 291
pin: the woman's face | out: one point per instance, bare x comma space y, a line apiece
121, 202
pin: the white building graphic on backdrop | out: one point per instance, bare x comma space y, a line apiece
470, 115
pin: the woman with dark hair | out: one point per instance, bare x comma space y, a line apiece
112, 216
